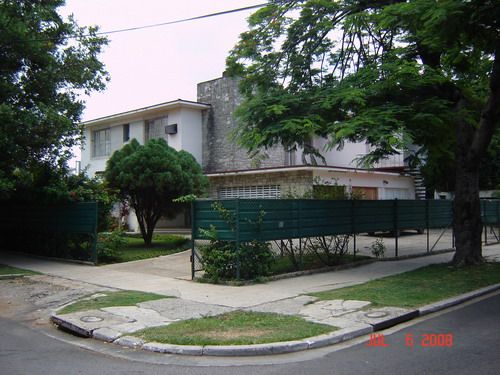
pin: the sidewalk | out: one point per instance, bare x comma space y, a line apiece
195, 300
132, 277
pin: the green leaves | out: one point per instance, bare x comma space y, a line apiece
44, 61
151, 178
362, 70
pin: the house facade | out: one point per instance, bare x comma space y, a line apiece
204, 129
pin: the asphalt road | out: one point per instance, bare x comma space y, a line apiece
474, 349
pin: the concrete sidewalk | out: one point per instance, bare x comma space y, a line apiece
138, 276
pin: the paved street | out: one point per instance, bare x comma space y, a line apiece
475, 349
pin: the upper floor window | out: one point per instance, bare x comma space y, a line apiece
101, 142
126, 132
155, 128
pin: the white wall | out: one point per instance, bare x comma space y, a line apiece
190, 132
137, 131
343, 158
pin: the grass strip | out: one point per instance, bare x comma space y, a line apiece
235, 328
419, 287
8, 270
121, 298
163, 244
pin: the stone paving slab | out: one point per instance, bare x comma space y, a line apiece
85, 322
289, 306
177, 309
332, 308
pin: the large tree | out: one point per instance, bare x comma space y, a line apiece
45, 63
150, 177
389, 72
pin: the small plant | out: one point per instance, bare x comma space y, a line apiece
329, 249
378, 248
108, 245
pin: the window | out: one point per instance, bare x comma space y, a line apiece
101, 143
156, 128
396, 193
247, 192
126, 132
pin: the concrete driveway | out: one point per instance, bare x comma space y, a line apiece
175, 266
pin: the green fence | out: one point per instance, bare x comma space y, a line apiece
68, 231
296, 218
270, 219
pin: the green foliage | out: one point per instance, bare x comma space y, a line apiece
151, 177
45, 62
378, 248
221, 260
364, 71
109, 245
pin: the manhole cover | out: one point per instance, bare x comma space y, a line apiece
376, 314
91, 319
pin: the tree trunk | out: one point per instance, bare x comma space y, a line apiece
472, 143
467, 222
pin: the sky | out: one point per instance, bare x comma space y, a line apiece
159, 64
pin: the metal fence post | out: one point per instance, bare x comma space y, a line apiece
237, 238
353, 230
94, 235
193, 251
427, 221
396, 227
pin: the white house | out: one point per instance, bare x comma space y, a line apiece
203, 128
179, 122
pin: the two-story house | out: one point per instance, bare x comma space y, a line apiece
203, 128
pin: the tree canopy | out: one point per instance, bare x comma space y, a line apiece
150, 177
393, 73
45, 63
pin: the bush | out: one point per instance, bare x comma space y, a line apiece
108, 245
220, 260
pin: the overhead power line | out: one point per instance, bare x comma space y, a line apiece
182, 20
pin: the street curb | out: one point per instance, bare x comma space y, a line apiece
12, 276
387, 323
441, 305
335, 337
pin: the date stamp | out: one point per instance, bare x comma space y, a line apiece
442, 340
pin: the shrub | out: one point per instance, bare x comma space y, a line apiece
220, 260
108, 245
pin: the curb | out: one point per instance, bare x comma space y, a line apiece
338, 336
12, 276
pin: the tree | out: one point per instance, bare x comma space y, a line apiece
149, 177
45, 62
389, 72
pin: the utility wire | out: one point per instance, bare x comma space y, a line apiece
181, 20
100, 33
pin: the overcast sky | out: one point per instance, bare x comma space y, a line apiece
160, 64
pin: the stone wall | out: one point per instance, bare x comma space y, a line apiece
219, 152
292, 183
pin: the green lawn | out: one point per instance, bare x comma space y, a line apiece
163, 244
8, 270
110, 299
419, 287
235, 328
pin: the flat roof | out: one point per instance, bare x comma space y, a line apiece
145, 111
299, 168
